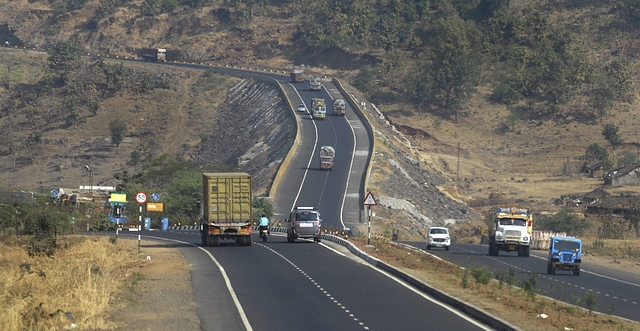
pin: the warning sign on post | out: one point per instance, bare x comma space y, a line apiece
370, 200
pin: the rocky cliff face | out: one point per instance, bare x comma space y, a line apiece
254, 130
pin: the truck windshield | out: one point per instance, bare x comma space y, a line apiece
513, 221
307, 217
564, 245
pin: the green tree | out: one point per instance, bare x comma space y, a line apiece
183, 192
620, 77
117, 77
455, 64
633, 216
596, 152
65, 54
135, 159
513, 119
610, 134
117, 128
261, 207
563, 221
627, 158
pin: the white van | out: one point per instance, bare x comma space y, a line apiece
438, 237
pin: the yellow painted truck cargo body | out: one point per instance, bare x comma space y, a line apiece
226, 208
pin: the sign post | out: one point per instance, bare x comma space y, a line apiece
369, 201
141, 198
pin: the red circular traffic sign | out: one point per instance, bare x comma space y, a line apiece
141, 197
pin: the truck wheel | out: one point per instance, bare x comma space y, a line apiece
213, 241
552, 268
204, 239
248, 241
493, 249
525, 251
548, 268
290, 240
429, 248
520, 252
576, 270
446, 248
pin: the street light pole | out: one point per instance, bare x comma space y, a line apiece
86, 167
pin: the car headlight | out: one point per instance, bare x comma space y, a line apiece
499, 234
525, 238
447, 238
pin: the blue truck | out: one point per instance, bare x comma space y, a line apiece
565, 253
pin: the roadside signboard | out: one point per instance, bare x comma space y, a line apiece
141, 197
370, 200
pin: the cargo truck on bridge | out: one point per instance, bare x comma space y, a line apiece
226, 208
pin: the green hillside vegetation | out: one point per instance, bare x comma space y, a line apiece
539, 62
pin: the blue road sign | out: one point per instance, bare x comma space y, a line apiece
155, 197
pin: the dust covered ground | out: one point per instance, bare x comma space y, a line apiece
163, 300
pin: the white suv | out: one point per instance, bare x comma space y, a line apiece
438, 237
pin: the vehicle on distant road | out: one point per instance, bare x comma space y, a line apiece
327, 156
339, 106
302, 107
438, 237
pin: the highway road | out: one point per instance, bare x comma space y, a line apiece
302, 286
618, 291
305, 285
283, 286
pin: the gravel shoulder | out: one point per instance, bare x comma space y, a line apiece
163, 300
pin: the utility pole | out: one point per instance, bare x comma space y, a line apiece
458, 167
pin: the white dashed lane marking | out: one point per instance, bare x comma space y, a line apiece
326, 293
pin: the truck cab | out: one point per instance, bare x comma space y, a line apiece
511, 231
565, 253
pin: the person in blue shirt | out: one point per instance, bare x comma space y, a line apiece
263, 222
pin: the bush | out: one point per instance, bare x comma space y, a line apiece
261, 207
382, 97
627, 158
481, 275
507, 92
563, 221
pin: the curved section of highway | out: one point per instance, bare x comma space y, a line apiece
304, 285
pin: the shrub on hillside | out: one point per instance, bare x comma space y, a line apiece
563, 221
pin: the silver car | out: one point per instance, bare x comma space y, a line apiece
304, 222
